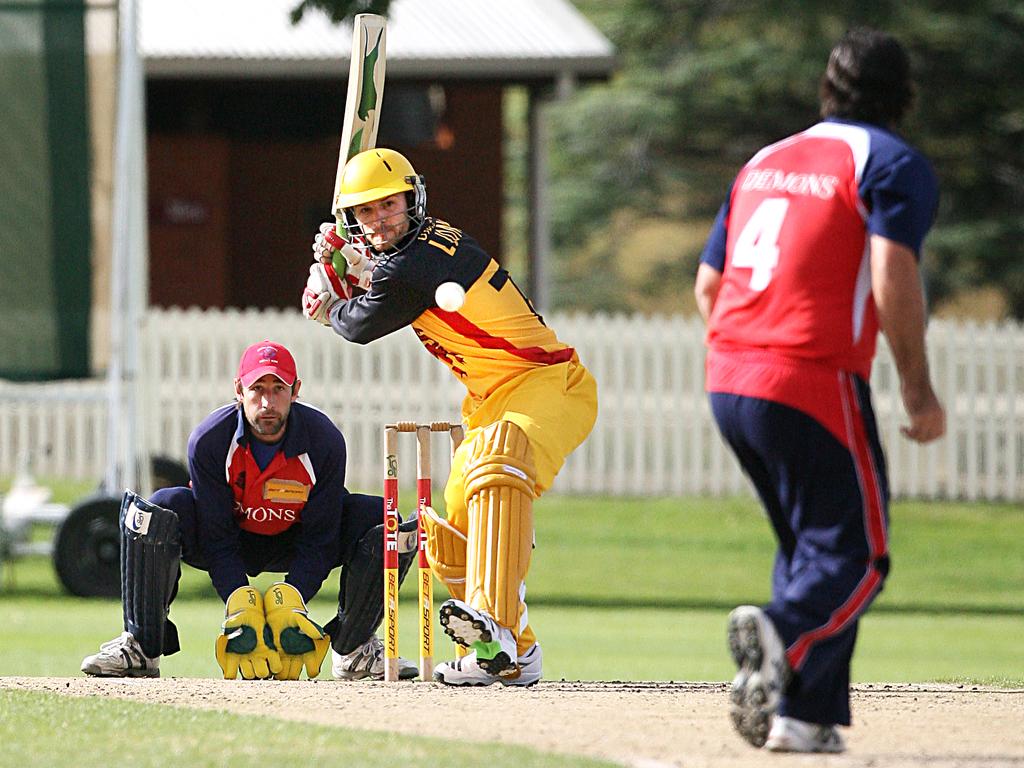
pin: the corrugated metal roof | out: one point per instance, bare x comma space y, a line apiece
506, 39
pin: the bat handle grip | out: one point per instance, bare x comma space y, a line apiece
338, 243
337, 281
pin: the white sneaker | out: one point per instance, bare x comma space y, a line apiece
121, 657
763, 672
367, 661
494, 645
465, 671
791, 735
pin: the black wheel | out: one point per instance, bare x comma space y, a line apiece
87, 548
168, 473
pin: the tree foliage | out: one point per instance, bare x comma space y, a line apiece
702, 84
339, 10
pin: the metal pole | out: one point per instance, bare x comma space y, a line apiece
127, 464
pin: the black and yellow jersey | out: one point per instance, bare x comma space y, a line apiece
496, 334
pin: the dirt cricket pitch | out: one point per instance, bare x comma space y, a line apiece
640, 724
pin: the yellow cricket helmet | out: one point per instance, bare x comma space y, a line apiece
373, 175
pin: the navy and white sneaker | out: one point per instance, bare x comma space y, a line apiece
494, 645
466, 671
367, 663
763, 672
791, 735
121, 657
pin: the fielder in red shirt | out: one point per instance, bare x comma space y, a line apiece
814, 251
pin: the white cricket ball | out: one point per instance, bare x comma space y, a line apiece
449, 296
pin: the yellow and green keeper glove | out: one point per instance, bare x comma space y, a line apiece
299, 640
242, 646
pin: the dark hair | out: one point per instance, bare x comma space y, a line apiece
867, 78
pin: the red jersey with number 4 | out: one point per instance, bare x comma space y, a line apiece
795, 234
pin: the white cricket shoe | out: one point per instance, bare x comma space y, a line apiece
465, 671
763, 672
791, 735
121, 657
367, 661
494, 645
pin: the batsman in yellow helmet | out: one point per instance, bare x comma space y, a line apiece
529, 401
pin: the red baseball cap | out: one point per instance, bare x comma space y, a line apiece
266, 357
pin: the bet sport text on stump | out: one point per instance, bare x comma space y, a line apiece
426, 585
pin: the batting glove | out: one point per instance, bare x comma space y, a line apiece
300, 641
327, 243
323, 290
242, 647
358, 257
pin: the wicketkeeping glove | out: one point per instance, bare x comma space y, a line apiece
299, 640
242, 646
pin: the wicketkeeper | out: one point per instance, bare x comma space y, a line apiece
267, 494
529, 402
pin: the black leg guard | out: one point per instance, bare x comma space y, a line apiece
361, 597
150, 565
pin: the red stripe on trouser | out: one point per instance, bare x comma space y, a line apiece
874, 526
797, 652
867, 474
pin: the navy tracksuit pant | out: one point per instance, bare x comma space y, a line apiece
827, 499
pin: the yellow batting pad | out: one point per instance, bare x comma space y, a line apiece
500, 490
446, 552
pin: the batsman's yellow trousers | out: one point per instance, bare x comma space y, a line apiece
556, 407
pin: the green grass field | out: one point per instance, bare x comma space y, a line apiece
98, 733
620, 589
639, 589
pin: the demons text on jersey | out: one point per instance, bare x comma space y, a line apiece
774, 180
264, 515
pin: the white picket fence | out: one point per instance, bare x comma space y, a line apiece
654, 433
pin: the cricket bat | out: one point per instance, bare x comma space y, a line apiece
362, 112
359, 133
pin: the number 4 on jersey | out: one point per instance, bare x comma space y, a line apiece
757, 246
